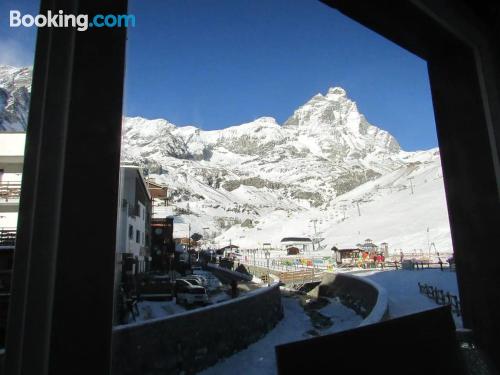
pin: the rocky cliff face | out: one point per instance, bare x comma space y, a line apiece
15, 88
324, 149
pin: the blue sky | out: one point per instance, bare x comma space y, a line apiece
217, 63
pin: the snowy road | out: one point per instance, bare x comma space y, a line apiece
259, 358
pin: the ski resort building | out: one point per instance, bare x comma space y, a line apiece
368, 246
302, 243
11, 168
157, 191
346, 256
135, 215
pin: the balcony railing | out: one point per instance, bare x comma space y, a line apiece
10, 191
8, 236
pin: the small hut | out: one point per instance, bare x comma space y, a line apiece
228, 249
302, 243
346, 256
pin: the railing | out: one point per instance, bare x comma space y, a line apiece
8, 236
289, 275
441, 298
10, 190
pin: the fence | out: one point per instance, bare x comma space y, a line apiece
287, 275
440, 297
276, 264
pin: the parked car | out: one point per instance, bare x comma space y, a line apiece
201, 280
154, 287
192, 280
187, 293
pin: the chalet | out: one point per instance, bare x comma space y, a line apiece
302, 243
346, 256
157, 191
229, 249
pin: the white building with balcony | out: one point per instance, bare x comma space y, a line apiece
11, 168
134, 217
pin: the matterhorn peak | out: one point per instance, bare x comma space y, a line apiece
335, 93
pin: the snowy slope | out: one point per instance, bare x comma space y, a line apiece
388, 212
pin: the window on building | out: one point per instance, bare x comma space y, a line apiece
137, 236
130, 232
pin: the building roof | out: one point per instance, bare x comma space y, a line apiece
296, 239
156, 190
230, 247
125, 166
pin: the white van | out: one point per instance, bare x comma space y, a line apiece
188, 294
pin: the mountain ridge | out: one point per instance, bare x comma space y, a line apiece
232, 180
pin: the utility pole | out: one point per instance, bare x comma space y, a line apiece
411, 184
428, 243
357, 203
344, 208
314, 223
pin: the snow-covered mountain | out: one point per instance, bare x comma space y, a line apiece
261, 181
15, 88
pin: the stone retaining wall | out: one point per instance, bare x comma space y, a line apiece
362, 295
194, 340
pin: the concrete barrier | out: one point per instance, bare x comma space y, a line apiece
226, 275
362, 295
189, 342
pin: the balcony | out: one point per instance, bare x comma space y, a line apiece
7, 237
10, 191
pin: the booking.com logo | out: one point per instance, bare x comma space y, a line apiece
80, 22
